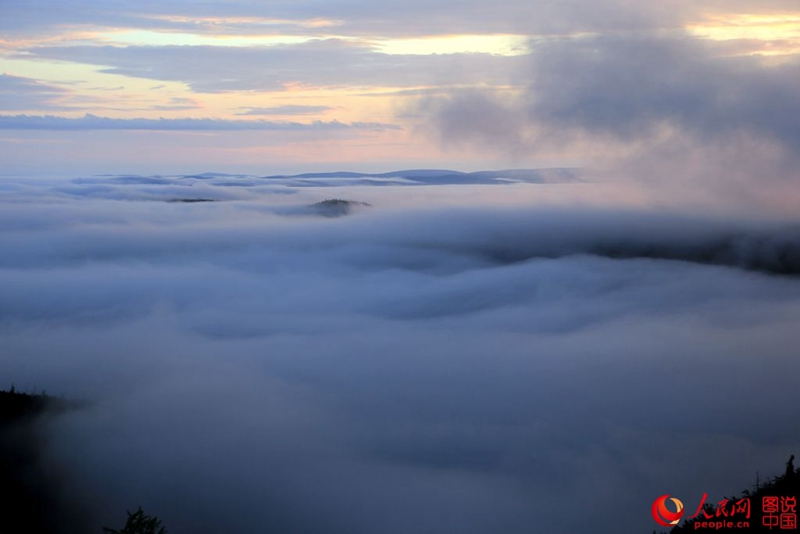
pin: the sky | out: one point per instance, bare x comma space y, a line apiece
457, 354
269, 87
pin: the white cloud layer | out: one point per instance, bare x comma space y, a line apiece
430, 363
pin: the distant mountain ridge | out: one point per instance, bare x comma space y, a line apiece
553, 175
446, 176
163, 186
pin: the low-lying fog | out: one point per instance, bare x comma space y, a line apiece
458, 358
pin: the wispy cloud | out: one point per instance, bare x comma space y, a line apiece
20, 93
288, 109
335, 63
178, 103
93, 122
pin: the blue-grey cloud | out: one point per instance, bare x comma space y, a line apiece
629, 87
288, 109
19, 93
322, 62
352, 18
363, 18
668, 109
178, 104
93, 122
626, 87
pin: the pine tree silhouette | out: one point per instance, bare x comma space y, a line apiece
139, 523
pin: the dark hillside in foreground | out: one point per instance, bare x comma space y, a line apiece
772, 507
31, 500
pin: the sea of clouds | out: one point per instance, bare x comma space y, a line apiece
460, 358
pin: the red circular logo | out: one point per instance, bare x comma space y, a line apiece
663, 515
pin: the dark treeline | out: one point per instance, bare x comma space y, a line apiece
776, 491
32, 499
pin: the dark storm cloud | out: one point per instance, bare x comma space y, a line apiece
426, 369
93, 122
